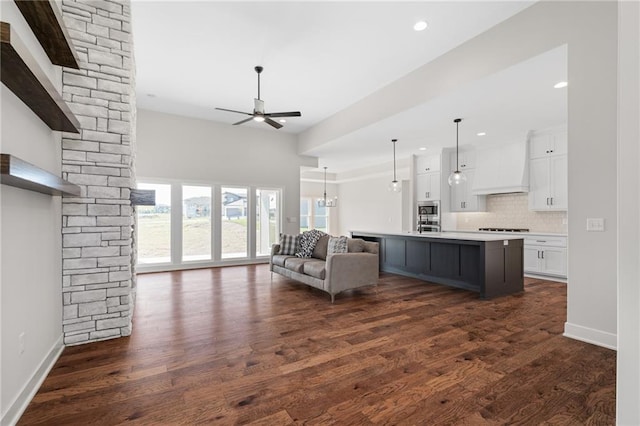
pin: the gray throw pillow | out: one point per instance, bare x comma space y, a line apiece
337, 245
289, 244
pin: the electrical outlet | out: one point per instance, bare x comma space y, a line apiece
21, 344
595, 224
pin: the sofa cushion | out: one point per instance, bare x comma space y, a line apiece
320, 251
355, 245
289, 244
308, 241
295, 264
337, 245
315, 268
280, 259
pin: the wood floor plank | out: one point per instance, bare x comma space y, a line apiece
230, 346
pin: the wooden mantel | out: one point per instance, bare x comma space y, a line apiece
19, 173
21, 73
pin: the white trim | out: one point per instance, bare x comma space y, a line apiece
166, 267
17, 408
546, 277
591, 335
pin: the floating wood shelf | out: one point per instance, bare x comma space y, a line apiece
23, 76
143, 197
46, 22
19, 173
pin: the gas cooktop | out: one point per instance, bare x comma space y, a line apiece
504, 229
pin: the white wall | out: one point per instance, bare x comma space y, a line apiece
189, 149
628, 383
30, 255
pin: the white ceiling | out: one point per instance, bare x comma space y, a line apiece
320, 57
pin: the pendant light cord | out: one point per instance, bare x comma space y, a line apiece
457, 121
394, 159
325, 185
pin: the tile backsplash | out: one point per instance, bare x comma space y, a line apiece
512, 211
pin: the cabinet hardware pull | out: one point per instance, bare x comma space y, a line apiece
541, 241
542, 252
551, 199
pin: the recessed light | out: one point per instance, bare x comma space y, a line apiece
481, 134
282, 120
422, 148
560, 85
420, 26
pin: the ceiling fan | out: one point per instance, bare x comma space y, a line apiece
258, 109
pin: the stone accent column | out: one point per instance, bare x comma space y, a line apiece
97, 226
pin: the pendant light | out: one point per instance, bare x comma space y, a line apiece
324, 202
394, 186
457, 177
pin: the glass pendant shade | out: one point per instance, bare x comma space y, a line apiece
456, 178
395, 186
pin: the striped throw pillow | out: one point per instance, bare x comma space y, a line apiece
289, 244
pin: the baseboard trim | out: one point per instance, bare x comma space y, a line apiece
20, 404
591, 335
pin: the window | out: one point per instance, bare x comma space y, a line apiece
196, 223
154, 226
234, 222
312, 216
200, 225
267, 220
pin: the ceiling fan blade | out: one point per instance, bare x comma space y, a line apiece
232, 110
284, 114
272, 123
243, 121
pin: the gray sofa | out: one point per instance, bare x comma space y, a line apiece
333, 273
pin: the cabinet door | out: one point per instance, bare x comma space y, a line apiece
559, 144
539, 184
467, 160
434, 179
428, 186
554, 261
531, 259
427, 163
462, 199
539, 146
558, 183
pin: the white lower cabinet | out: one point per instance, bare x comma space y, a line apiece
546, 256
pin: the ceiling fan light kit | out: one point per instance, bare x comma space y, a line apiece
457, 177
259, 114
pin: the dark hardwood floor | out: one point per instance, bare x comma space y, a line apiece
227, 346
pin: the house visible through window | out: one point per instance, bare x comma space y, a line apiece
196, 223
234, 222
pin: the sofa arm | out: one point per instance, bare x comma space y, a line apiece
350, 270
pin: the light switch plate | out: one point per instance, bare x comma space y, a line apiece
595, 224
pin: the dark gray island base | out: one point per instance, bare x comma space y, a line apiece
489, 264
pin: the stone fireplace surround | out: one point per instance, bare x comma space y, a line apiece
98, 282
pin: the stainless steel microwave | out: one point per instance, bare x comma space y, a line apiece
428, 208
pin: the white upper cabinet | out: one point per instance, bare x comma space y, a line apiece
548, 173
547, 144
462, 199
427, 164
467, 160
428, 186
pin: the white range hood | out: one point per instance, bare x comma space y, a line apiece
502, 169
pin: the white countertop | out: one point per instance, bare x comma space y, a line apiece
523, 234
468, 236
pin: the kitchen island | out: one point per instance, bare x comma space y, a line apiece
489, 264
